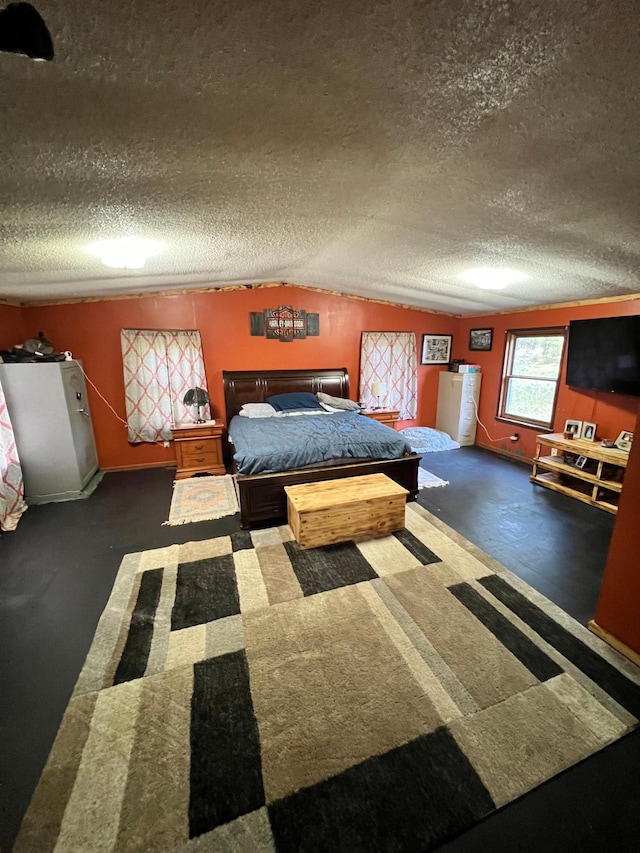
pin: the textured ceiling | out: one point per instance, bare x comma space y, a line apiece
372, 148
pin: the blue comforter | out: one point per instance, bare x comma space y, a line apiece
267, 445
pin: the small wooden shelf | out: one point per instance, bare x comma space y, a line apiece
557, 463
552, 481
598, 483
608, 502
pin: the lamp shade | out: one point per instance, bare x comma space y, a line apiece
196, 397
379, 389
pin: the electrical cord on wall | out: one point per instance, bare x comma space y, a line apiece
100, 395
513, 437
163, 442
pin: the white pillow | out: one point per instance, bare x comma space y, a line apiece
337, 402
329, 408
257, 410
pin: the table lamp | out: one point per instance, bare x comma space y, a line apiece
378, 389
196, 397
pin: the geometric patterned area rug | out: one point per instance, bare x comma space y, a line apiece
244, 695
202, 499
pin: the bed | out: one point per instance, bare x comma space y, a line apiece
261, 496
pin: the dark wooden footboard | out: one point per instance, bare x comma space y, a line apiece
262, 497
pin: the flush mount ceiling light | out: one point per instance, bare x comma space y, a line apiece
492, 278
128, 253
22, 30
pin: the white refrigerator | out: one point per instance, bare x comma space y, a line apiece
458, 395
49, 411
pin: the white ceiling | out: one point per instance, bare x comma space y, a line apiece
372, 148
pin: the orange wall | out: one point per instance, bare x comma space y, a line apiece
11, 327
91, 330
618, 610
611, 412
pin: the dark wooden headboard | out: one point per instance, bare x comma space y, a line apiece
254, 386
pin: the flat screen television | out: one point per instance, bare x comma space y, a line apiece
604, 354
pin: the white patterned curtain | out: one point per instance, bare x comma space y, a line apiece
390, 357
159, 368
12, 503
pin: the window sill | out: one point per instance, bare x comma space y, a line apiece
525, 424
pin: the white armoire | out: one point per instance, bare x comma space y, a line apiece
458, 395
49, 410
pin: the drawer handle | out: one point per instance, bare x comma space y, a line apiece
198, 446
199, 459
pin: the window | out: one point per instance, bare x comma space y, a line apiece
159, 368
530, 376
389, 359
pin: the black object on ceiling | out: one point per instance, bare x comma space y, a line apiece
22, 30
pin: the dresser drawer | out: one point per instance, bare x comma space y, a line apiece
389, 417
199, 453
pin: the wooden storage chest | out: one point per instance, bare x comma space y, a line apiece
332, 511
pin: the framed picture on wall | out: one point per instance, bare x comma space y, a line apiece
436, 349
481, 340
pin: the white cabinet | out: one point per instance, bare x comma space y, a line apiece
458, 395
49, 411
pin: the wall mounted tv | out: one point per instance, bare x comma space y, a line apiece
604, 354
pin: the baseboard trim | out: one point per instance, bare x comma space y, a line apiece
618, 645
140, 466
516, 457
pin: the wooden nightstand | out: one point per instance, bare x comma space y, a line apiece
390, 417
198, 448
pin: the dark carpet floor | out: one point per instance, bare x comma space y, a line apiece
58, 567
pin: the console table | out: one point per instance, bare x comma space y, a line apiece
584, 470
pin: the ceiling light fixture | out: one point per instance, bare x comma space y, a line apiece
129, 253
492, 278
22, 30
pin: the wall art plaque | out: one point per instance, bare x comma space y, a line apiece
284, 323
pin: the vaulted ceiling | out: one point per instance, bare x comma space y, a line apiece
372, 148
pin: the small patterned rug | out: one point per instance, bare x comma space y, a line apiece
427, 480
202, 499
244, 695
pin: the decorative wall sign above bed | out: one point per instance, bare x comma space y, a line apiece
284, 323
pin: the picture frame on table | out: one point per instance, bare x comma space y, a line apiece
581, 461
588, 431
624, 440
436, 349
480, 340
573, 427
